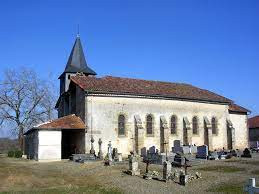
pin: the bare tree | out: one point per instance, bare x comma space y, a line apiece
25, 100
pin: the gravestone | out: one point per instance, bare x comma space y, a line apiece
82, 157
202, 152
152, 150
179, 159
119, 157
186, 149
213, 156
183, 178
166, 170
223, 156
246, 153
238, 152
171, 156
177, 146
161, 158
143, 152
133, 166
115, 154
194, 149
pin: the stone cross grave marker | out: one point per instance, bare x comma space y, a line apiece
166, 170
134, 145
166, 154
92, 151
100, 153
110, 152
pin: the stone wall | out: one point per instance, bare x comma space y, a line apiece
102, 121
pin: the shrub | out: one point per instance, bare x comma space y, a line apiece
15, 153
18, 154
10, 153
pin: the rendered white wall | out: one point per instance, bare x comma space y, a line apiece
49, 146
241, 130
102, 119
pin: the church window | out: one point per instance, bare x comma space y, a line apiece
195, 125
149, 124
173, 124
121, 125
214, 125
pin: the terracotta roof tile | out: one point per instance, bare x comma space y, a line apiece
253, 122
237, 108
66, 122
129, 86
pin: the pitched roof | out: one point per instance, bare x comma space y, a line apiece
118, 85
236, 108
66, 122
76, 61
253, 122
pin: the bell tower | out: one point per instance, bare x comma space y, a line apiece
76, 64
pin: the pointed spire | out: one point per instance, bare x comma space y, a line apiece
76, 62
78, 34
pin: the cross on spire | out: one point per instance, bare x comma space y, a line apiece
78, 34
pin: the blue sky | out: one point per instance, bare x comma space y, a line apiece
210, 44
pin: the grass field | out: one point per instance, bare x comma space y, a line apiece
24, 176
222, 169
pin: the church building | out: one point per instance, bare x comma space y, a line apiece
133, 114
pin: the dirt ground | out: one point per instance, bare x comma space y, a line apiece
20, 175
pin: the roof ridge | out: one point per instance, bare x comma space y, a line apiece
257, 116
140, 79
136, 86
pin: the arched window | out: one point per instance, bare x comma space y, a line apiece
173, 124
149, 124
214, 125
195, 125
121, 125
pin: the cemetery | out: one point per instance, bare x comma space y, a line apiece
134, 174
182, 165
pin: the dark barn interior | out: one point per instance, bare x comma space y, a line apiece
73, 142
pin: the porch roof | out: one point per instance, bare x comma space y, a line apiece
67, 122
